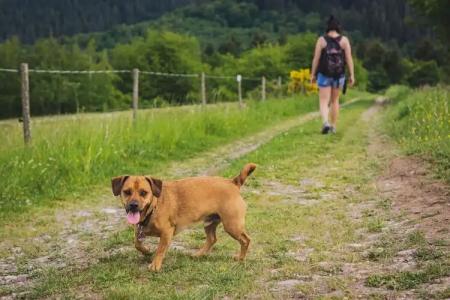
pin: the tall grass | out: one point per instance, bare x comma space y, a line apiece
70, 155
420, 121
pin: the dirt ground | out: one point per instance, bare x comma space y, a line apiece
417, 202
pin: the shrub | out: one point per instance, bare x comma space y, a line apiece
378, 80
425, 73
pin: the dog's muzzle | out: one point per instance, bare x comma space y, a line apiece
132, 206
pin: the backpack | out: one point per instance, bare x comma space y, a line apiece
333, 58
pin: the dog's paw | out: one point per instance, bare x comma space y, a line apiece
238, 257
199, 253
153, 267
146, 251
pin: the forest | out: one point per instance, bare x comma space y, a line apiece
394, 43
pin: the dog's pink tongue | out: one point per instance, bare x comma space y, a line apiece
133, 218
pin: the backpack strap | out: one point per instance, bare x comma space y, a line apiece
329, 38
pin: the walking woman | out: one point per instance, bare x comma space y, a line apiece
332, 53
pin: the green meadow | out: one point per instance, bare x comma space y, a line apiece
71, 154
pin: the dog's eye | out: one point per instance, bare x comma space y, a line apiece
143, 193
127, 192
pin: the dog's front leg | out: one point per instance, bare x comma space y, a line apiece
139, 239
164, 243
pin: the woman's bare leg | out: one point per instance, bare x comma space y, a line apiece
334, 107
324, 97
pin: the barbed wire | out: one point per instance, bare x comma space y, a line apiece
168, 74
77, 71
154, 73
220, 77
251, 78
9, 70
233, 77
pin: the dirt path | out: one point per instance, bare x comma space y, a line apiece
415, 213
417, 226
402, 252
407, 228
71, 234
212, 162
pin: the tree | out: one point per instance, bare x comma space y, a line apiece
393, 66
10, 57
377, 80
424, 73
161, 52
437, 12
374, 54
300, 50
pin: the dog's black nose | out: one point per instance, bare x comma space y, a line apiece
133, 206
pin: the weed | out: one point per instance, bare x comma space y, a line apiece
428, 253
408, 279
416, 238
375, 224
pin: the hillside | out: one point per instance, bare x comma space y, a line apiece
227, 21
31, 20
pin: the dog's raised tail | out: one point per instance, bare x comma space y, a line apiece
245, 172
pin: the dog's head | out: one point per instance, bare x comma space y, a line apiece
136, 193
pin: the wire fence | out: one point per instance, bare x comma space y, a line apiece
9, 70
24, 72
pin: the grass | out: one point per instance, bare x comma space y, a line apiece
303, 235
70, 155
431, 260
273, 223
420, 122
409, 279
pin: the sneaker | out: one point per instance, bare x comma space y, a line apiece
326, 128
333, 130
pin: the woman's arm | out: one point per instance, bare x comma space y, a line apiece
315, 63
349, 61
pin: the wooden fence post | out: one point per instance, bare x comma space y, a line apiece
239, 80
280, 93
25, 103
135, 92
203, 88
263, 88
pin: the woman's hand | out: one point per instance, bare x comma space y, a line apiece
351, 80
313, 79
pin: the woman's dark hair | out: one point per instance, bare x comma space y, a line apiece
333, 24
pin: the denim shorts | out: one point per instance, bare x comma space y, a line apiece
324, 81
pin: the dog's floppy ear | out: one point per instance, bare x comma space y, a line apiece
117, 184
156, 185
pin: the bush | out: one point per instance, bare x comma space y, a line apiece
378, 80
425, 73
361, 74
162, 52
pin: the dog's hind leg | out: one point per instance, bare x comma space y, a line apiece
238, 233
211, 239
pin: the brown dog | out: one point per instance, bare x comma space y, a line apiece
163, 209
